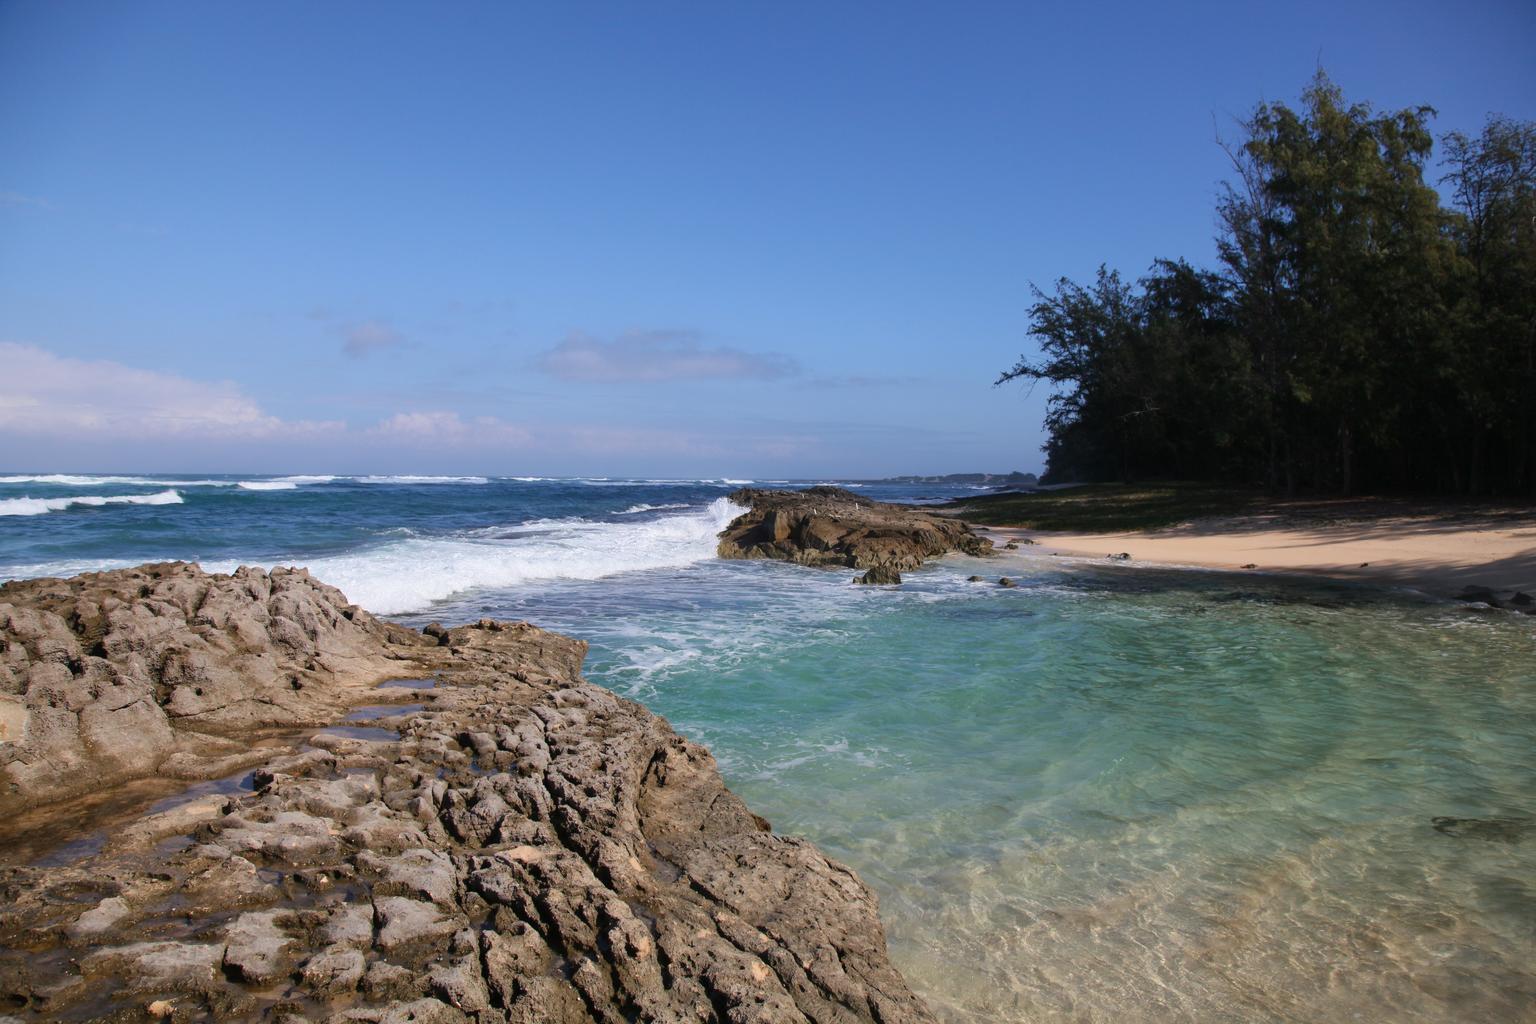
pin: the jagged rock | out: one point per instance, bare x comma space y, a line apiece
880, 574
975, 579
1012, 545
526, 847
1004, 581
830, 526
255, 946
110, 675
100, 917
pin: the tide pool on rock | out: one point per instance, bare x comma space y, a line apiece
1111, 793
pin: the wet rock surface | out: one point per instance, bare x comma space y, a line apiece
520, 846
1511, 600
830, 526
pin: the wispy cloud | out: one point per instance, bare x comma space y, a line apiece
450, 428
651, 356
368, 336
102, 406
42, 394
16, 199
359, 338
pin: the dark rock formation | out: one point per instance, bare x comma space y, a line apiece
1004, 581
830, 526
1512, 600
516, 845
880, 574
1499, 830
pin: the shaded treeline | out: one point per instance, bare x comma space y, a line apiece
1357, 334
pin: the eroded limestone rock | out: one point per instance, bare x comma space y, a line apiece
526, 847
830, 526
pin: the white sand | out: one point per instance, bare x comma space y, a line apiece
1426, 553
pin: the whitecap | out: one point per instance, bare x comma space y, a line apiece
637, 509
409, 574
38, 506
267, 485
422, 480
74, 480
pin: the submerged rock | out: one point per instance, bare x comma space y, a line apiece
523, 846
1517, 601
1499, 830
830, 526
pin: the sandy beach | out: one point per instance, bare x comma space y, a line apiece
1434, 551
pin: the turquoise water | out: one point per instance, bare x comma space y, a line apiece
1113, 794
1120, 794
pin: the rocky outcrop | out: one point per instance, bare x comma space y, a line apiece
165, 669
512, 845
830, 526
1513, 600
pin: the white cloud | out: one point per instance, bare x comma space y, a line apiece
42, 394
56, 406
658, 356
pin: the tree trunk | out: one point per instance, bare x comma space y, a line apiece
1346, 461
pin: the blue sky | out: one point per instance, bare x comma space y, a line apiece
682, 239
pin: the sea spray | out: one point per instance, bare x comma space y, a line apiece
408, 574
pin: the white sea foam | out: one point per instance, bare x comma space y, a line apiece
38, 506
410, 573
637, 509
421, 480
306, 479
267, 485
74, 480
69, 567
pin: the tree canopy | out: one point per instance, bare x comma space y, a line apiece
1358, 333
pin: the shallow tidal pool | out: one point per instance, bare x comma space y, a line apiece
1118, 793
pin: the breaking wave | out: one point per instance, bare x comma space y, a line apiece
87, 480
38, 506
410, 573
421, 480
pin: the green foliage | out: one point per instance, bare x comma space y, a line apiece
1357, 334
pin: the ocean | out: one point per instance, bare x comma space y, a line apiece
1115, 793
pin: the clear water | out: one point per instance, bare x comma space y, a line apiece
1113, 794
